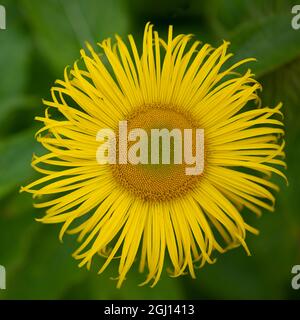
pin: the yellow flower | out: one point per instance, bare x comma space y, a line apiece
152, 211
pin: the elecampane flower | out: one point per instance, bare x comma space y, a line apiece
154, 211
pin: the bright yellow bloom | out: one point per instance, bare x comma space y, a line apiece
125, 211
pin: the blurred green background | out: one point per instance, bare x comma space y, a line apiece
42, 37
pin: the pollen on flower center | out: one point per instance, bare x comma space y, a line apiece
157, 182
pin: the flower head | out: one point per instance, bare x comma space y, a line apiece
151, 210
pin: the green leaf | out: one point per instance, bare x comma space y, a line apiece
16, 153
17, 231
225, 17
165, 11
272, 42
15, 103
15, 54
47, 271
62, 27
14, 62
256, 29
284, 85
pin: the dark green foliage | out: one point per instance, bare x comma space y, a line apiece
42, 37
